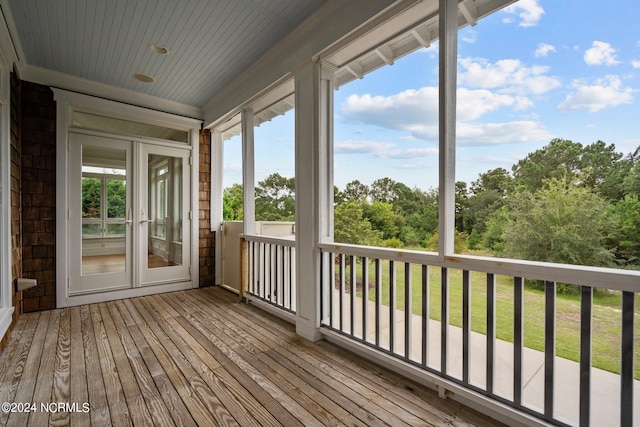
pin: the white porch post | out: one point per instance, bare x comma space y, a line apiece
217, 164
447, 107
248, 173
314, 188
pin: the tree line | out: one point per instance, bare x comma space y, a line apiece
566, 203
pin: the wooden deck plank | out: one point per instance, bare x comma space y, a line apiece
61, 387
201, 358
284, 378
173, 363
112, 383
351, 402
96, 391
78, 392
243, 387
159, 413
44, 379
138, 411
284, 400
19, 383
198, 356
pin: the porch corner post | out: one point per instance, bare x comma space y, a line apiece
314, 188
448, 63
217, 164
248, 173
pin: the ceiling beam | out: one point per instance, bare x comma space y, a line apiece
464, 9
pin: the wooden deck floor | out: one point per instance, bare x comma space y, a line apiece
199, 358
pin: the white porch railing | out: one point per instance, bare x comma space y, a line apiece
270, 270
368, 297
382, 313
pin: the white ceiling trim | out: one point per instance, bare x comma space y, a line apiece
77, 84
410, 30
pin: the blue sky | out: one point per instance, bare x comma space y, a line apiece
538, 70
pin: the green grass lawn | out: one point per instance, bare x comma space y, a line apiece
606, 313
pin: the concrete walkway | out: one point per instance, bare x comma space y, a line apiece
605, 386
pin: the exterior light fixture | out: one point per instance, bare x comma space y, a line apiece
158, 48
144, 78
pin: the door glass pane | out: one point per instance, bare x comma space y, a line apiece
165, 211
104, 210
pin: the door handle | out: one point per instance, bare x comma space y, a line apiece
146, 220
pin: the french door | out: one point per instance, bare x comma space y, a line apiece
129, 222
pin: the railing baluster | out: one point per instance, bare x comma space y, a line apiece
365, 297
342, 291
627, 355
586, 321
466, 324
281, 281
332, 289
291, 285
549, 346
352, 294
444, 319
378, 298
392, 306
518, 329
491, 331
425, 314
407, 310
250, 268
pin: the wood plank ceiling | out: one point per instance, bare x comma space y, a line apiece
107, 41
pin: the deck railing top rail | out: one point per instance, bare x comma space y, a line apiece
599, 277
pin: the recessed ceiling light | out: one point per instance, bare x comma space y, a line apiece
158, 48
144, 78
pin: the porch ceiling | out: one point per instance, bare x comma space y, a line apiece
210, 41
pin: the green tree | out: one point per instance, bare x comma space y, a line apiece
355, 191
623, 230
383, 218
559, 223
350, 226
488, 194
384, 190
275, 198
232, 203
116, 198
91, 196
560, 159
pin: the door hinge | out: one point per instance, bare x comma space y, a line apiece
68, 283
191, 160
190, 214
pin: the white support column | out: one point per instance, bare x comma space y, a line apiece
217, 165
248, 173
314, 188
447, 107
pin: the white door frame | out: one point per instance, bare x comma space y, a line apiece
66, 100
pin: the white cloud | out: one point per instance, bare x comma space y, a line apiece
544, 49
529, 12
473, 104
482, 134
635, 64
469, 36
601, 53
382, 150
362, 147
508, 75
396, 111
605, 92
